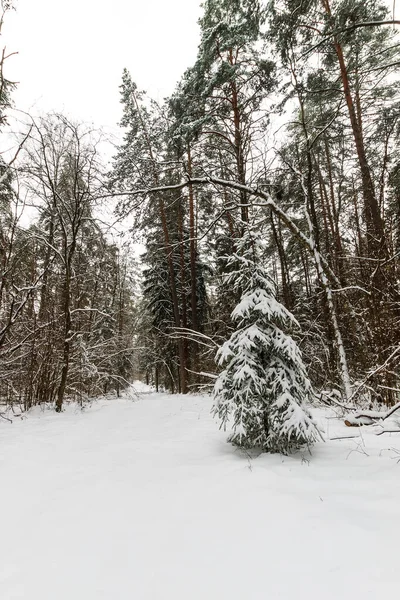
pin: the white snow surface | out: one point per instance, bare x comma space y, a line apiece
145, 500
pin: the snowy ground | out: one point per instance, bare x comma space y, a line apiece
145, 501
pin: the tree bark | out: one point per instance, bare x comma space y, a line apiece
375, 228
168, 252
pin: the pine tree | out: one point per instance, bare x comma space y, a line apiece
230, 82
264, 386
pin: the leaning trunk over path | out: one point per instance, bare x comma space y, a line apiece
343, 368
314, 237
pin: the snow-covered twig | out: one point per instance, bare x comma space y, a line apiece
3, 416
343, 437
332, 400
203, 374
195, 336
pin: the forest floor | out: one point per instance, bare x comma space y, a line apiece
145, 500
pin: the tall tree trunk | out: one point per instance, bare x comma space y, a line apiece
239, 150
192, 246
375, 229
168, 252
193, 255
47, 259
66, 304
174, 297
183, 287
286, 292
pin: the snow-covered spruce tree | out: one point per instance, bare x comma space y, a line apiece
264, 387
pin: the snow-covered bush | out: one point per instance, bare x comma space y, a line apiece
264, 387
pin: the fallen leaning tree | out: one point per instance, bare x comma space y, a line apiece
372, 417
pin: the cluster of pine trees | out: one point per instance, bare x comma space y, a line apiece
266, 194
287, 125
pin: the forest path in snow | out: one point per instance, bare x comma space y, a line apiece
145, 500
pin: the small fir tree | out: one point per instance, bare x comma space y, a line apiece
264, 386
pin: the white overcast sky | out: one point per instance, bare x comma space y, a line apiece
71, 54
